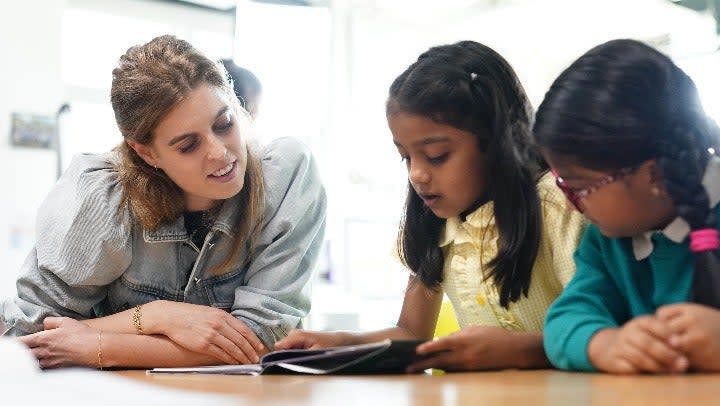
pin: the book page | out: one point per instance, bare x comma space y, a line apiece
247, 369
297, 355
394, 356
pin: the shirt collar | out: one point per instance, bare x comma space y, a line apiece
176, 230
454, 230
678, 229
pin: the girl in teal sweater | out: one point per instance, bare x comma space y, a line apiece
630, 145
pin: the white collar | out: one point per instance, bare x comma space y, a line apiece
678, 229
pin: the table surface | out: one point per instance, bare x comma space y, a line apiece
507, 387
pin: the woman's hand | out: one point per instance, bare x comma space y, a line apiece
65, 342
303, 339
641, 345
475, 348
205, 330
695, 331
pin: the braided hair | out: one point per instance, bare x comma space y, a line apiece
623, 103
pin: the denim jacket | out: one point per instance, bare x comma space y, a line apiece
92, 260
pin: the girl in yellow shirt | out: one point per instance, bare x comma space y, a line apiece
483, 222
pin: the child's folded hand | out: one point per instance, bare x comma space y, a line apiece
695, 330
641, 345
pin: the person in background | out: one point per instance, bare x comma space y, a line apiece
483, 221
188, 244
246, 85
625, 132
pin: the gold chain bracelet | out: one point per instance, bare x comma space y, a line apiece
100, 356
137, 319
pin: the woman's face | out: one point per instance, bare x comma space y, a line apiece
445, 165
198, 144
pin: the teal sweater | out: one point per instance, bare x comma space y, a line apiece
611, 287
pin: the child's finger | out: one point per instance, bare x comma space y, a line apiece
669, 312
441, 344
655, 327
440, 361
655, 340
679, 325
641, 360
645, 351
623, 366
687, 341
663, 353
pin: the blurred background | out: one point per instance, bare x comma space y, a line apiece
325, 67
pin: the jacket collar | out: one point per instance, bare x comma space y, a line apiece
176, 231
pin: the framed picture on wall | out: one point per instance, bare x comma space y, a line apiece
32, 130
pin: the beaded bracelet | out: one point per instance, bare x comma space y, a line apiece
137, 319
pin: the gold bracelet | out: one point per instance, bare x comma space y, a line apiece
137, 319
100, 358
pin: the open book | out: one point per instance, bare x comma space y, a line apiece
383, 357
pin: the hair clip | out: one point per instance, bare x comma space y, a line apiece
473, 76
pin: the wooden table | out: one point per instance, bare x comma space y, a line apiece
543, 387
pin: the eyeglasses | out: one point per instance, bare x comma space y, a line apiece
574, 196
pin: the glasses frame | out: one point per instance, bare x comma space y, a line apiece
575, 196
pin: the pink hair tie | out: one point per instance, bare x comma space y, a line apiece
705, 239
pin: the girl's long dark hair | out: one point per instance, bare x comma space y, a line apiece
469, 86
622, 103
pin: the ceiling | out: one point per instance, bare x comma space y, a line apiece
709, 6
227, 5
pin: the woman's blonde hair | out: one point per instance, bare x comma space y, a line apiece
148, 82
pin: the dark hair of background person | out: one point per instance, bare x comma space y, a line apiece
246, 85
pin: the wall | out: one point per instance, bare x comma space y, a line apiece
30, 83
59, 51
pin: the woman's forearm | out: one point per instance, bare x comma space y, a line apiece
147, 351
150, 319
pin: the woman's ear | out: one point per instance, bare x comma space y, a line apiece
146, 152
657, 186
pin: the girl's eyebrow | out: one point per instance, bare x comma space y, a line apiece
432, 140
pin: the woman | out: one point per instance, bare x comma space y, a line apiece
185, 245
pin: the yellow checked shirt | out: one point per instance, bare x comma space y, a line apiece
469, 246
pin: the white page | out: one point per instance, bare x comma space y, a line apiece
248, 369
